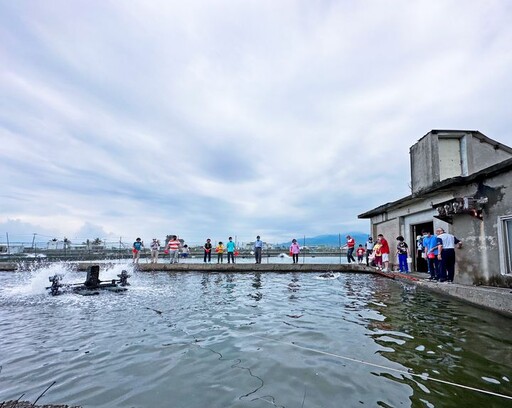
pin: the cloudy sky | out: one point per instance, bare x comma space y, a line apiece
226, 117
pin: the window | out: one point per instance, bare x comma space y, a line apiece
450, 159
505, 243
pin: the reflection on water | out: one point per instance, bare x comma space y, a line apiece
200, 339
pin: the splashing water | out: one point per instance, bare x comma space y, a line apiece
37, 282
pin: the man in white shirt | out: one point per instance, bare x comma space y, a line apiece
155, 247
446, 253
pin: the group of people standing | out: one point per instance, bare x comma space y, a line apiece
439, 252
377, 253
230, 248
174, 247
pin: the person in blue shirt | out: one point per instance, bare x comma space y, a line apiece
230, 247
431, 244
136, 248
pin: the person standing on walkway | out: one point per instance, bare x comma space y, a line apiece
185, 252
360, 251
446, 254
173, 246
384, 249
402, 250
136, 248
258, 247
208, 250
430, 244
295, 251
369, 248
220, 252
350, 245
377, 255
230, 247
421, 263
155, 247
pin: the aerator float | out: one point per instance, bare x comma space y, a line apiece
92, 285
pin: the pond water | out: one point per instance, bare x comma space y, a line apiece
249, 340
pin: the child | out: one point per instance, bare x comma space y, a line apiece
377, 255
220, 252
360, 253
295, 250
402, 250
185, 251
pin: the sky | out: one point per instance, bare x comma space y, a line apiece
233, 118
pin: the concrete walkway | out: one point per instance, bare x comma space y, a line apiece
489, 297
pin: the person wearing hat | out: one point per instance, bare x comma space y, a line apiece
155, 247
258, 247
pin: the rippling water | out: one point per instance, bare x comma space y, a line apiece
208, 340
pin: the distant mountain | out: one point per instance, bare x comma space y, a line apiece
331, 240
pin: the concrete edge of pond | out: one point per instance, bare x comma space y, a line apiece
488, 297
492, 298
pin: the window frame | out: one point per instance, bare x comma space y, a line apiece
505, 247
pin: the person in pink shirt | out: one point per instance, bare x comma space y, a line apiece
295, 250
385, 252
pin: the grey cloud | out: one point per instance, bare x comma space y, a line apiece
235, 117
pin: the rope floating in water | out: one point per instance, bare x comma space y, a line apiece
355, 360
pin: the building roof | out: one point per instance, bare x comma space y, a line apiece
441, 186
475, 133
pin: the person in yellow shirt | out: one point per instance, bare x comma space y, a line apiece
377, 255
220, 252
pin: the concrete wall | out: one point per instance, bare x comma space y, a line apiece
424, 163
399, 221
482, 154
480, 256
476, 152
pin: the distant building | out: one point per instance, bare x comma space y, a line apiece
11, 249
250, 246
55, 244
461, 181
